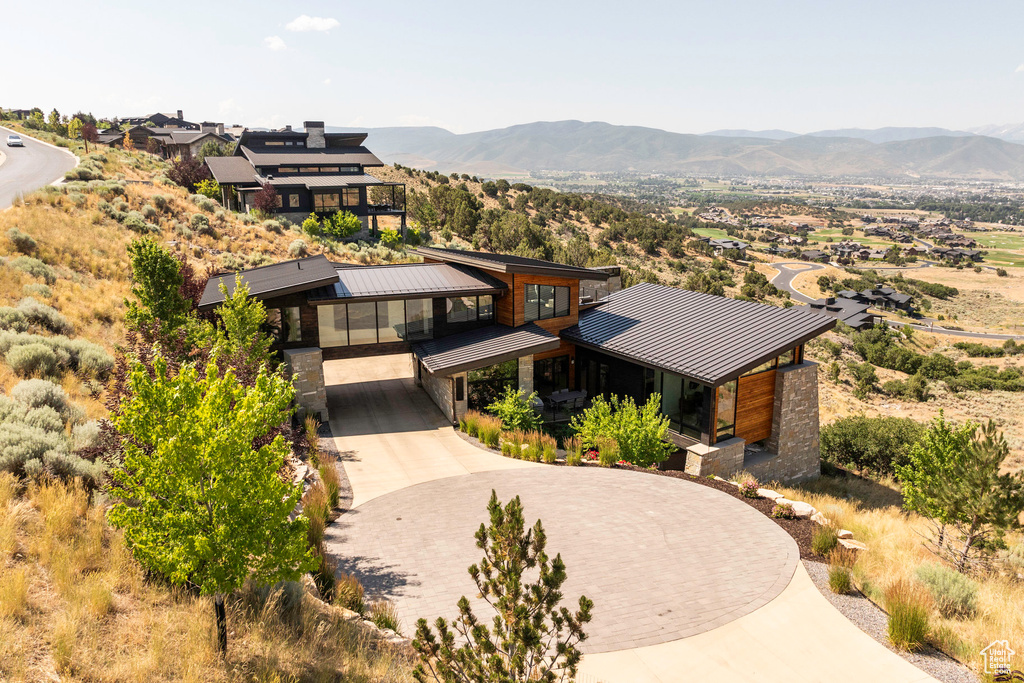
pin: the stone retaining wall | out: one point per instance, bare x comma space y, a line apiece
795, 427
306, 369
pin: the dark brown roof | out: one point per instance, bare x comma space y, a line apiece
709, 338
231, 170
482, 347
506, 263
332, 180
274, 280
302, 155
407, 280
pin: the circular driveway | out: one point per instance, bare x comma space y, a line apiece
661, 558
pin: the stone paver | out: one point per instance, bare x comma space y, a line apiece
662, 559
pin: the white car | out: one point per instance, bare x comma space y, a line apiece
14, 141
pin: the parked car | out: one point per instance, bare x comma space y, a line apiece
14, 141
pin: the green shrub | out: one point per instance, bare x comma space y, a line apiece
824, 540
385, 616
550, 449
43, 316
199, 223
470, 422
40, 392
298, 248
638, 431
22, 242
534, 447
839, 580
908, 607
516, 410
390, 238
348, 593
748, 489
783, 511
37, 289
955, 595
341, 224
573, 451
35, 268
512, 443
135, 222
874, 443
32, 359
273, 226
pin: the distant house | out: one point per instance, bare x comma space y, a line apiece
914, 251
167, 142
311, 171
163, 120
814, 255
882, 297
722, 245
848, 311
955, 254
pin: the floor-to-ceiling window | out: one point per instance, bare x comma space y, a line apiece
551, 374
378, 322
725, 411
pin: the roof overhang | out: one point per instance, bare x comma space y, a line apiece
483, 347
494, 264
267, 282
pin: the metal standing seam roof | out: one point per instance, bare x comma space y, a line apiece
316, 155
709, 338
506, 263
482, 347
231, 170
406, 280
274, 280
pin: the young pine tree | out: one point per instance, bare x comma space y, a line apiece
533, 639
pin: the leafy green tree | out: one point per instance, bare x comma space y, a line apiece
197, 503
638, 431
157, 287
208, 187
864, 377
532, 638
929, 469
74, 128
341, 224
516, 410
241, 340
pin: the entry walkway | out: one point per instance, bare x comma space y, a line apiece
390, 434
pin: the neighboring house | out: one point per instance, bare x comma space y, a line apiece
312, 172
814, 255
722, 245
853, 313
167, 142
163, 120
880, 296
728, 372
955, 254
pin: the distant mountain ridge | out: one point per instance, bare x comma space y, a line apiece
603, 147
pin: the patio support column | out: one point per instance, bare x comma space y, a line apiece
526, 374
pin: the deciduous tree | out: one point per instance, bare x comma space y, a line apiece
197, 503
187, 172
266, 200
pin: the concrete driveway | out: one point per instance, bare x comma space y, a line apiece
689, 584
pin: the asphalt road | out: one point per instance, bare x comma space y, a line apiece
30, 167
784, 281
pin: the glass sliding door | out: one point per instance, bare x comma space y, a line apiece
332, 320
419, 319
390, 321
362, 323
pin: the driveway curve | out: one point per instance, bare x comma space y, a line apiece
661, 558
30, 167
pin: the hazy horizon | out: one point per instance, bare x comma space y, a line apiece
798, 66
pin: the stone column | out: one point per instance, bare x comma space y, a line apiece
526, 375
723, 459
306, 369
461, 405
795, 436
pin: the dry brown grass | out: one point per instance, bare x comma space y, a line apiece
895, 540
74, 604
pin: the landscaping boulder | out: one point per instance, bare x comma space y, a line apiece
845, 533
852, 544
821, 519
769, 494
800, 508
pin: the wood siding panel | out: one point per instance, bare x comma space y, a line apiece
553, 325
755, 403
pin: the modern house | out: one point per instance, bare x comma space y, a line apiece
880, 296
168, 142
312, 172
163, 120
814, 255
846, 310
729, 372
722, 245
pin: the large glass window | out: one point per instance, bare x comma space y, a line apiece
787, 358
333, 325
485, 311
545, 301
419, 319
293, 201
767, 365
284, 322
725, 413
362, 323
551, 374
325, 202
350, 196
390, 320
691, 408
671, 393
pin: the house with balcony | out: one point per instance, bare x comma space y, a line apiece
311, 171
728, 373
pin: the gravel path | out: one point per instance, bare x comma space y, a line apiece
869, 618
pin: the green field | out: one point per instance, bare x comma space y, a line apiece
711, 232
999, 240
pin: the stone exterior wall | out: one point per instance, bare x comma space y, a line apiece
526, 375
461, 406
723, 459
795, 435
306, 369
440, 390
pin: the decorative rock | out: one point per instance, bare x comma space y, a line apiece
800, 509
820, 519
852, 544
844, 533
718, 478
769, 494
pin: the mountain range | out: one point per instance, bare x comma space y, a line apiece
603, 147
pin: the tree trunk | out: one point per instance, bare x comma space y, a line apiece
969, 536
222, 623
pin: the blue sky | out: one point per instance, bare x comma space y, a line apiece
683, 66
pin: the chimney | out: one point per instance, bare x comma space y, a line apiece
220, 129
207, 127
180, 115
315, 134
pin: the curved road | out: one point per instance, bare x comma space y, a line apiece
30, 167
784, 281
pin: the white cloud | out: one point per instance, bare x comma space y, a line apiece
305, 22
327, 81
274, 43
1020, 67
